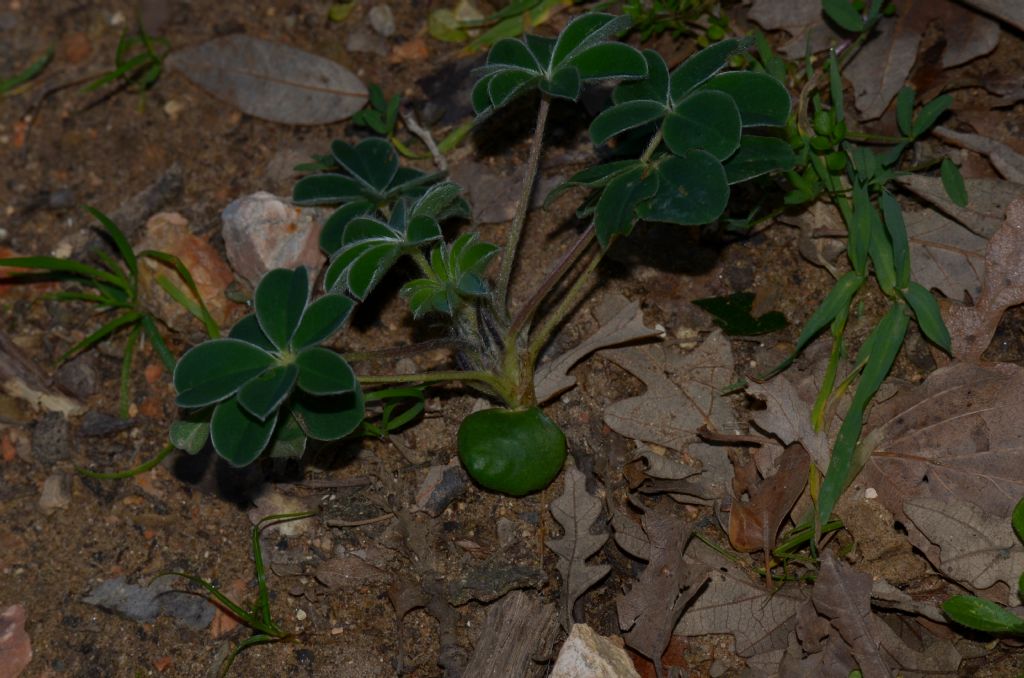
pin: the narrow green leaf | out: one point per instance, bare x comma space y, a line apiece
334, 227
202, 313
124, 401
216, 369
103, 331
897, 230
707, 120
610, 60
617, 204
238, 437
701, 66
905, 110
279, 301
929, 318
930, 112
953, 182
64, 266
757, 156
885, 342
983, 615
373, 161
584, 31
120, 242
760, 98
323, 372
328, 417
844, 15
692, 190
326, 189
1017, 520
880, 249
617, 119
263, 395
859, 229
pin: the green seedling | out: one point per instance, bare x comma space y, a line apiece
113, 286
985, 615
29, 73
510, 21
381, 116
138, 63
678, 18
259, 618
696, 131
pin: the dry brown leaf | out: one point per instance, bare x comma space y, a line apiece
971, 327
760, 619
977, 549
754, 524
649, 611
683, 395
880, 70
986, 210
802, 19
957, 435
576, 511
1010, 11
913, 651
944, 255
1007, 161
622, 322
787, 416
630, 536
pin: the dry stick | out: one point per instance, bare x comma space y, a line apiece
508, 257
337, 522
413, 125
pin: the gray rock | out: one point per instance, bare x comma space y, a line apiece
382, 20
587, 654
78, 376
442, 486
146, 603
51, 438
96, 424
56, 493
262, 232
364, 41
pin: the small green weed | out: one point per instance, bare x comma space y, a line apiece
138, 63
29, 73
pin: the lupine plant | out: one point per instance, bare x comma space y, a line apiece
694, 131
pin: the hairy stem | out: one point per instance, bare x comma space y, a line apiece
393, 352
508, 256
477, 376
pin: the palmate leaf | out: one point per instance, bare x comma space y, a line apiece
238, 436
758, 155
615, 210
692, 189
328, 417
696, 70
761, 99
320, 320
216, 369
323, 372
263, 395
280, 300
706, 119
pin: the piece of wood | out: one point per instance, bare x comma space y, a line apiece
519, 627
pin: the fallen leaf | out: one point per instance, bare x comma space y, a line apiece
986, 210
944, 255
913, 650
1008, 162
802, 19
1010, 11
649, 611
822, 235
971, 327
15, 645
977, 549
272, 81
787, 416
760, 619
622, 322
754, 524
630, 535
956, 436
683, 396
879, 71
576, 511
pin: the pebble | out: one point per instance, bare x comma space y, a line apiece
587, 654
362, 41
382, 20
442, 486
56, 494
51, 438
262, 232
15, 644
78, 376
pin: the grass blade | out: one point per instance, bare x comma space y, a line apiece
126, 370
105, 330
56, 265
31, 71
128, 473
120, 241
157, 342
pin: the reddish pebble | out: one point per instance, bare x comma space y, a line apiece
153, 372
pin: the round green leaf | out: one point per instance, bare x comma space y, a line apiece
373, 161
564, 83
262, 395
619, 118
329, 417
322, 319
323, 372
757, 156
701, 66
238, 436
216, 369
760, 98
692, 189
326, 189
280, 299
708, 120
610, 60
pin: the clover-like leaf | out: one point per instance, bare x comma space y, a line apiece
262, 395
334, 227
324, 372
702, 66
238, 436
248, 330
373, 161
215, 370
615, 212
760, 98
692, 190
757, 156
280, 299
321, 319
457, 272
706, 119
328, 417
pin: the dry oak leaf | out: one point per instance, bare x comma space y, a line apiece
944, 255
1007, 161
649, 611
977, 549
576, 511
971, 327
955, 436
787, 416
754, 524
989, 199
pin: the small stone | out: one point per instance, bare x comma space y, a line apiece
587, 654
117, 18
717, 668
56, 494
871, 493
173, 108
442, 486
300, 614
51, 438
263, 232
76, 47
382, 20
274, 502
363, 41
78, 376
96, 424
15, 645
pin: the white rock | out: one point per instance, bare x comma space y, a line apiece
587, 654
382, 20
263, 232
56, 493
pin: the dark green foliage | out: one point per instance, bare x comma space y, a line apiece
456, 274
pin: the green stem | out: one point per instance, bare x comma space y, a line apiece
119, 475
529, 309
876, 138
478, 376
508, 256
424, 265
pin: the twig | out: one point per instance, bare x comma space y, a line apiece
427, 138
337, 522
